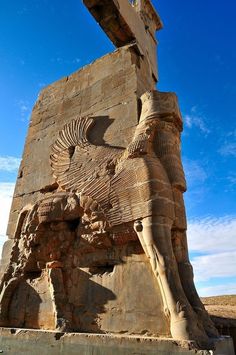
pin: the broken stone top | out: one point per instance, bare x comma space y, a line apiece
110, 12
148, 14
156, 104
127, 21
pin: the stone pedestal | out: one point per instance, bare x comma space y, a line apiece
18, 341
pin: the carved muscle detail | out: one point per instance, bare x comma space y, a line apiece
167, 148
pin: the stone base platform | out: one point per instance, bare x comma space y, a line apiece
24, 341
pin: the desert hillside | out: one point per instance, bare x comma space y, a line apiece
222, 309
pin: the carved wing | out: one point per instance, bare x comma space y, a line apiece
77, 164
129, 193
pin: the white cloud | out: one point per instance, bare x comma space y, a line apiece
197, 121
212, 235
232, 179
42, 85
194, 172
60, 60
76, 60
9, 164
229, 145
196, 176
215, 239
57, 59
194, 119
228, 149
221, 265
229, 289
25, 109
6, 193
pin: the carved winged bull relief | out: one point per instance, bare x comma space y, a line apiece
141, 187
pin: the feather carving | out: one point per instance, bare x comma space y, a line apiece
126, 184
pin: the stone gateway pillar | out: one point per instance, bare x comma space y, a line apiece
97, 229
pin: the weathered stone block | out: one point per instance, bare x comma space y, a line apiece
16, 341
107, 89
125, 23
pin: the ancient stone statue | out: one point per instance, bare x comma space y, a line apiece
107, 187
97, 230
142, 184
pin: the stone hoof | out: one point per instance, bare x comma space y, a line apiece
181, 329
210, 329
208, 325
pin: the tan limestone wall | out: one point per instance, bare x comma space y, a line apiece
124, 298
107, 89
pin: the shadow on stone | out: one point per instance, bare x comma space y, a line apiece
24, 307
90, 301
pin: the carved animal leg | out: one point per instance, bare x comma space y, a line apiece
12, 277
8, 284
10, 280
5, 298
180, 248
138, 227
156, 240
62, 311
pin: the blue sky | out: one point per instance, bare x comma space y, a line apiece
44, 40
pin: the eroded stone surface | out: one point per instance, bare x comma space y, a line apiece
98, 225
16, 341
104, 193
108, 90
129, 21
